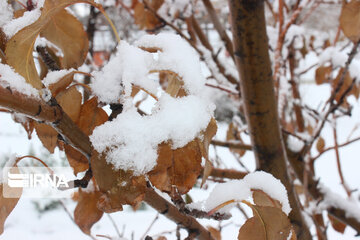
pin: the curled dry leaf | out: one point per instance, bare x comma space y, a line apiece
350, 20
61, 84
204, 148
179, 167
144, 17
268, 223
118, 187
19, 48
86, 213
91, 116
66, 32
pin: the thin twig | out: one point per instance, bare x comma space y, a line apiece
150, 226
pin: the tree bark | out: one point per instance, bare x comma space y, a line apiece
257, 90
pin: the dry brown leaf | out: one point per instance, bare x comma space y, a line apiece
179, 167
91, 116
231, 134
86, 213
346, 84
323, 74
215, 233
66, 32
8, 204
119, 187
350, 20
320, 144
144, 17
47, 135
61, 84
70, 101
19, 48
252, 229
77, 161
26, 122
263, 199
268, 223
204, 148
336, 224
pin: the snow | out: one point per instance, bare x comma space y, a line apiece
335, 55
9, 78
294, 143
54, 76
176, 121
130, 65
6, 13
8, 164
178, 56
239, 190
170, 9
29, 17
331, 199
173, 120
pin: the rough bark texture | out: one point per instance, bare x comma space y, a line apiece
257, 89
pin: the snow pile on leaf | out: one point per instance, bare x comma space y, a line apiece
180, 115
239, 190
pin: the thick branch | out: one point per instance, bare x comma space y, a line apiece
257, 88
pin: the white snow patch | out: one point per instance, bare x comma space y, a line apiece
239, 190
132, 140
294, 144
331, 199
11, 79
6, 13
9, 164
29, 17
54, 76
